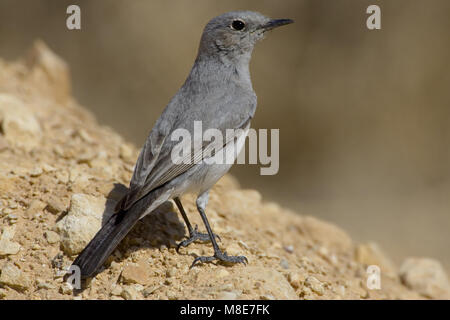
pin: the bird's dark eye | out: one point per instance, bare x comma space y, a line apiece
238, 25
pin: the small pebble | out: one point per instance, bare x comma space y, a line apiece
116, 291
149, 290
36, 172
227, 295
130, 293
284, 264
66, 288
315, 285
12, 218
52, 237
44, 285
289, 249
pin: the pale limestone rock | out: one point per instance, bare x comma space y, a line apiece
18, 123
426, 276
82, 222
7, 246
130, 293
295, 279
8, 233
65, 288
13, 277
315, 285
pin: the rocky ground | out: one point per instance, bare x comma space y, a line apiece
60, 171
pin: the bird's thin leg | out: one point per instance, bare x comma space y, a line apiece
202, 200
193, 232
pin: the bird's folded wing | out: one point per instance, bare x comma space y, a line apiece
155, 169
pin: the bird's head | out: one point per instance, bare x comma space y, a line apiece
234, 34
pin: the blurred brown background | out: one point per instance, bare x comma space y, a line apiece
363, 115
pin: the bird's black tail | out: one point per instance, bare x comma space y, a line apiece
105, 241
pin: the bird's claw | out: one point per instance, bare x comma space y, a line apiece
194, 236
222, 257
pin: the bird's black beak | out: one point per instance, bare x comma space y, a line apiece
272, 24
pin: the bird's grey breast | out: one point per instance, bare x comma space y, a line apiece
218, 95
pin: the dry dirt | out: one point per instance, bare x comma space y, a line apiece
58, 166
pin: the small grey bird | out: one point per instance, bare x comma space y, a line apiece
218, 92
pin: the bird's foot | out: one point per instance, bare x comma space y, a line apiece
194, 236
222, 257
